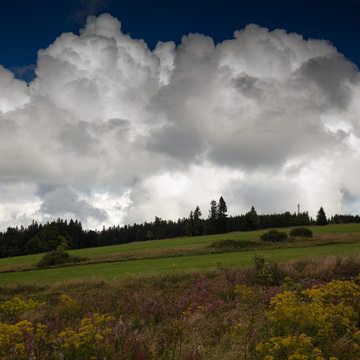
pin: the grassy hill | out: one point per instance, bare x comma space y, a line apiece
183, 254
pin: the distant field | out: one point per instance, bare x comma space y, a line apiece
104, 251
199, 263
335, 229
177, 243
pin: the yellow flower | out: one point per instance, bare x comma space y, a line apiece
18, 305
99, 337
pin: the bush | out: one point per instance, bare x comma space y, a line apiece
274, 236
301, 232
232, 244
268, 273
58, 257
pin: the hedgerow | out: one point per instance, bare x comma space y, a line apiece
232, 244
301, 232
274, 236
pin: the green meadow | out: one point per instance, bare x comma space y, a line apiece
159, 257
177, 243
200, 263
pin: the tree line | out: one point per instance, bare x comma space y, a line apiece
38, 238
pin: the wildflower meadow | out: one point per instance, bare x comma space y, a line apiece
245, 313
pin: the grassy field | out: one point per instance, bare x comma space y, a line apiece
146, 246
163, 265
187, 243
193, 308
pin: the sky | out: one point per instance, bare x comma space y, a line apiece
114, 112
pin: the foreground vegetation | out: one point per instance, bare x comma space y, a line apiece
230, 296
300, 309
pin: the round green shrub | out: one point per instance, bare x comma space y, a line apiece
301, 232
274, 236
58, 257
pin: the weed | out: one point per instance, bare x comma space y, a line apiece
268, 274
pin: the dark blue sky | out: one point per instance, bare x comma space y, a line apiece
26, 26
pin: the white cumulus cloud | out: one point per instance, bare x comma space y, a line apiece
112, 132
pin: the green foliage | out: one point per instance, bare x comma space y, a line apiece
217, 220
10, 242
198, 224
194, 224
219, 263
221, 216
149, 235
302, 219
251, 220
232, 244
47, 240
34, 245
301, 232
289, 285
159, 228
267, 273
212, 219
321, 218
274, 236
58, 257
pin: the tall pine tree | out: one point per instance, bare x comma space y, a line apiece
212, 219
194, 225
198, 226
221, 216
321, 217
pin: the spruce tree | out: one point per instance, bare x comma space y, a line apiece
221, 216
321, 217
251, 220
212, 219
198, 228
189, 225
159, 228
